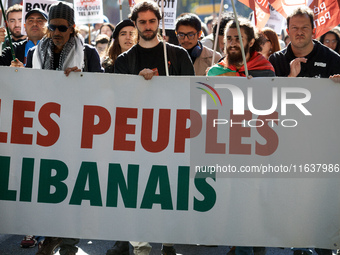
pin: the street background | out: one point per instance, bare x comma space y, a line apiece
10, 245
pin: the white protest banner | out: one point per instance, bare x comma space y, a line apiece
29, 5
276, 21
88, 11
170, 10
5, 4
107, 156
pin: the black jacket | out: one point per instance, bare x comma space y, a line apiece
178, 59
19, 50
322, 62
91, 59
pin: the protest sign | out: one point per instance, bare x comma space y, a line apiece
88, 11
116, 157
29, 5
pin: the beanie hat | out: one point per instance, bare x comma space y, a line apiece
120, 26
61, 10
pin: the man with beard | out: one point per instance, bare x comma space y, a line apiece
189, 31
14, 18
304, 57
147, 57
35, 26
61, 49
232, 64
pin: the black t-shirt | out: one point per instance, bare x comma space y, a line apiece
137, 58
152, 58
321, 62
56, 57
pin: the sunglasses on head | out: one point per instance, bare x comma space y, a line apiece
60, 28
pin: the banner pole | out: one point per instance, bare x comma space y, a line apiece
216, 35
89, 25
120, 2
241, 42
164, 42
2, 22
7, 29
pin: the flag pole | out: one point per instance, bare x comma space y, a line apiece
216, 35
2, 23
214, 8
89, 27
8, 33
241, 42
164, 42
120, 10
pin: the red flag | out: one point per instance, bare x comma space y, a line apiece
326, 12
131, 3
326, 15
261, 11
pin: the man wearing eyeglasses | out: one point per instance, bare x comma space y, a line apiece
189, 31
62, 48
35, 26
147, 57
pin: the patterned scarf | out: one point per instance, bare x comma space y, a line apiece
71, 55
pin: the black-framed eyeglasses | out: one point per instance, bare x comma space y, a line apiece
189, 35
61, 28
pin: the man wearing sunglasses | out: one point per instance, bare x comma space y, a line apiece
35, 26
61, 48
189, 31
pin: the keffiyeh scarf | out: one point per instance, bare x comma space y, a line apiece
71, 55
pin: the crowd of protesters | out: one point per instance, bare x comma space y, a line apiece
134, 46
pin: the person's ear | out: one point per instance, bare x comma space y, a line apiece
251, 43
